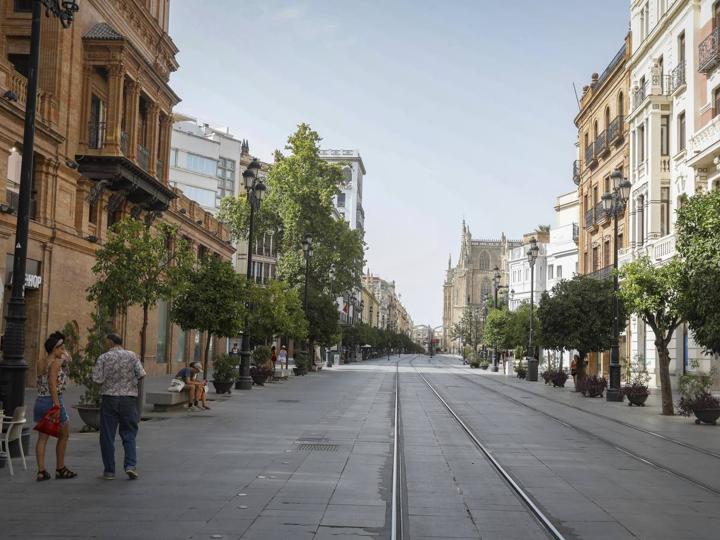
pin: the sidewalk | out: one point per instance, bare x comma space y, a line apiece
305, 458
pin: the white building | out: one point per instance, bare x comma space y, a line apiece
519, 271
674, 139
349, 201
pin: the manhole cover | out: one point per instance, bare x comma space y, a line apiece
311, 440
288, 401
316, 447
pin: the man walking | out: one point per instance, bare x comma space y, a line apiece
118, 371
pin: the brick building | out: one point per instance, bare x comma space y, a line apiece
102, 142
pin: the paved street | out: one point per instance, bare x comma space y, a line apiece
313, 458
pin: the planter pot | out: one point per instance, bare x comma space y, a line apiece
594, 392
558, 384
299, 371
483, 367
90, 415
474, 366
259, 379
706, 416
521, 374
222, 387
637, 399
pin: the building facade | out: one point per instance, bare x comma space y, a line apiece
471, 280
673, 145
102, 143
603, 148
349, 201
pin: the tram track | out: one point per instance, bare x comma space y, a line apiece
398, 530
590, 434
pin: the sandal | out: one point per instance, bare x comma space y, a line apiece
42, 476
205, 407
64, 473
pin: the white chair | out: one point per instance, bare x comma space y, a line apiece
14, 425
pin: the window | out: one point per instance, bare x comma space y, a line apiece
640, 228
665, 135
201, 164
226, 176
202, 251
21, 63
606, 254
550, 271
620, 105
596, 259
205, 197
179, 344
23, 6
681, 48
484, 261
96, 124
641, 144
606, 182
664, 211
586, 265
620, 241
558, 272
681, 131
607, 117
174, 157
341, 200
716, 101
93, 212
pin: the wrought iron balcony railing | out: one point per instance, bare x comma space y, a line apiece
590, 155
143, 157
575, 232
709, 52
615, 130
677, 77
601, 145
589, 218
96, 135
600, 214
638, 96
576, 172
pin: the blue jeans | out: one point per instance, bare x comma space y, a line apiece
118, 411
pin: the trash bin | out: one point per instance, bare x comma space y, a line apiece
532, 373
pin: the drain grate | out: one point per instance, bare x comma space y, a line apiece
316, 447
312, 440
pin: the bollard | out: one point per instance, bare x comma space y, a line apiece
532, 374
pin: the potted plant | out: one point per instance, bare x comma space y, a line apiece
475, 364
300, 363
559, 379
594, 386
520, 370
224, 372
695, 397
637, 391
548, 375
262, 360
484, 363
80, 367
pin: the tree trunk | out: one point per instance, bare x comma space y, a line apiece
665, 387
143, 340
580, 370
207, 353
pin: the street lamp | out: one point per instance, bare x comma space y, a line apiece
307, 246
13, 367
255, 189
614, 206
496, 285
532, 254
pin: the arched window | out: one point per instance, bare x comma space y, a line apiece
595, 129
607, 117
620, 105
485, 289
484, 261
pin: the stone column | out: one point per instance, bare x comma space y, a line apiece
154, 129
115, 107
133, 111
164, 148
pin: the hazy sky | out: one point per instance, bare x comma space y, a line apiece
459, 108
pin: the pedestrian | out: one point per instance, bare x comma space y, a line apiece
283, 356
194, 387
51, 383
573, 369
235, 351
118, 371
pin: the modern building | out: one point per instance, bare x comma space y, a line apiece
674, 140
603, 147
102, 143
471, 280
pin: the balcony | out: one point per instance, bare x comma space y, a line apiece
601, 216
590, 218
575, 232
616, 130
663, 248
601, 146
602, 273
124, 144
576, 172
709, 52
590, 159
677, 77
143, 157
638, 96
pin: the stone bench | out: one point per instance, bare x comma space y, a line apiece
162, 401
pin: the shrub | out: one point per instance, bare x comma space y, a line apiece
638, 385
559, 378
225, 368
695, 393
593, 385
261, 355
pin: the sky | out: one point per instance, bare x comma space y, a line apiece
461, 109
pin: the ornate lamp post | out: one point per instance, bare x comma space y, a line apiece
532, 254
307, 244
496, 285
13, 367
614, 206
255, 189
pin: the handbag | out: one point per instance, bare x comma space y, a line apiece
49, 424
176, 385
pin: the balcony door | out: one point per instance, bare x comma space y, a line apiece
96, 137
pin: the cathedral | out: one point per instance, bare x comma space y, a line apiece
472, 278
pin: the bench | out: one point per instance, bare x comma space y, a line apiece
162, 401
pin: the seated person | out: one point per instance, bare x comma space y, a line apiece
194, 387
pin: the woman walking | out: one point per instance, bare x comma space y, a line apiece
51, 382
